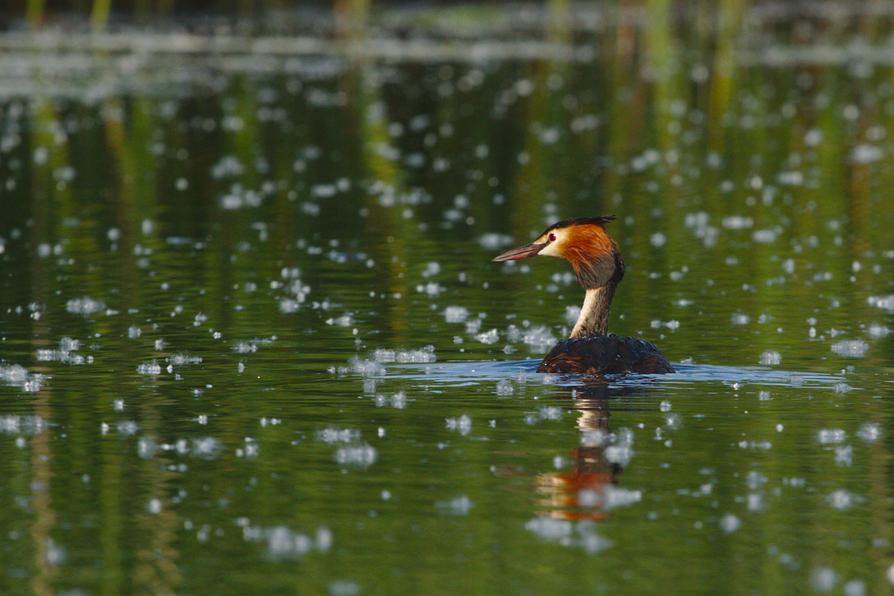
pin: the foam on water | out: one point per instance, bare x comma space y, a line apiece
489, 337
539, 338
84, 306
771, 358
361, 455
284, 543
422, 355
22, 425
579, 535
883, 302
333, 435
149, 368
829, 436
461, 424
65, 354
851, 348
458, 506
729, 523
18, 376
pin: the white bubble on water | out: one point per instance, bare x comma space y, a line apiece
764, 236
737, 222
504, 387
851, 348
854, 587
205, 447
22, 425
244, 347
363, 455
284, 543
431, 288
791, 178
127, 427
863, 154
621, 452
238, 197
146, 447
149, 368
488, 337
344, 588
876, 331
473, 325
831, 436
184, 359
594, 438
332, 435
729, 523
54, 554
550, 413
813, 137
398, 400
227, 166
456, 314
673, 421
64, 354
770, 358
823, 579
492, 241
324, 539
364, 367
461, 424
345, 320
539, 338
551, 529
288, 306
755, 502
740, 319
844, 455
883, 302
84, 306
422, 355
458, 506
870, 432
615, 496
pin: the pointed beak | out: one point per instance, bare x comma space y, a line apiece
522, 252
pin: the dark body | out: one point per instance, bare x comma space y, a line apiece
605, 354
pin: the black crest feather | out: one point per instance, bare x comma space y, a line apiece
599, 220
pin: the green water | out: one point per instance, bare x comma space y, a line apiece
218, 282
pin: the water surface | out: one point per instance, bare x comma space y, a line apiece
250, 331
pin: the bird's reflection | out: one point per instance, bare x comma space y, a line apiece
581, 491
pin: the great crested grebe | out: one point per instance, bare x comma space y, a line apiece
597, 262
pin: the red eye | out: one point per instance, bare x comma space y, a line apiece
552, 237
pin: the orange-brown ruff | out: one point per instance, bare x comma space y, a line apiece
597, 262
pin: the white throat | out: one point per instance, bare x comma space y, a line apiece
593, 319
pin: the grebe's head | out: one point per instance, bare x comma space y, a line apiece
584, 243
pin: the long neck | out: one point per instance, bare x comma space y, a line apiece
593, 319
